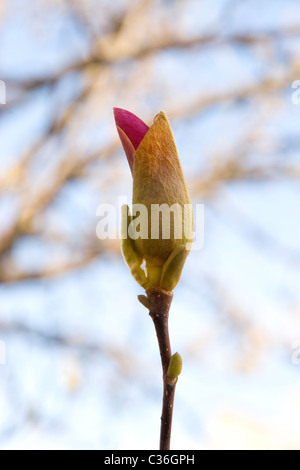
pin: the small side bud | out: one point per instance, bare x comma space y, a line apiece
175, 366
144, 301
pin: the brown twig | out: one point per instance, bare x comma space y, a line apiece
159, 306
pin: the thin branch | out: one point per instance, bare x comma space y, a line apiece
159, 303
248, 227
267, 85
108, 54
122, 358
68, 169
46, 272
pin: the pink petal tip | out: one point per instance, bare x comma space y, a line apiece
134, 127
131, 130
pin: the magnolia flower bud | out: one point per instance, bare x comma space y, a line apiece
161, 227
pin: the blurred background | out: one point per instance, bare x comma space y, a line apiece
79, 365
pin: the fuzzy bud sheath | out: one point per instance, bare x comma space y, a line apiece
158, 180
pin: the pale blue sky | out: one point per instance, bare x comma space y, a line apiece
259, 276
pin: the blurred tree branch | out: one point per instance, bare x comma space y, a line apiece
123, 48
144, 55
